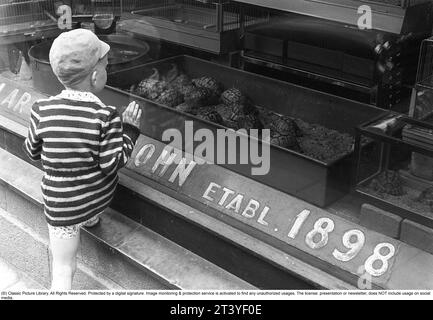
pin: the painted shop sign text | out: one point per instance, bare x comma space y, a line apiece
16, 101
366, 255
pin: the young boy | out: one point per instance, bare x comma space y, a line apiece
82, 144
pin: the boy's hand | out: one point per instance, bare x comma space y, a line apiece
132, 114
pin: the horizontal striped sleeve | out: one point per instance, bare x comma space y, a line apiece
33, 143
117, 143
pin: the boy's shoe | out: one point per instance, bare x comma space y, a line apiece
92, 222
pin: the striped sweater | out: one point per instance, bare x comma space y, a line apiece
82, 144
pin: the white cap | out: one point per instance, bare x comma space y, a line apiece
74, 54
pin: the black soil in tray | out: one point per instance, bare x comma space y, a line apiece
407, 198
322, 143
408, 201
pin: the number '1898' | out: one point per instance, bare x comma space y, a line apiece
353, 240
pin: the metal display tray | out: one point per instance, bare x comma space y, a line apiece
404, 138
403, 212
314, 181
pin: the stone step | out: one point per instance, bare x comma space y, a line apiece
13, 279
23, 249
124, 253
170, 263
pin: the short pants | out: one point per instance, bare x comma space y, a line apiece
69, 232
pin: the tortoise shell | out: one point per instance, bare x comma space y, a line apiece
285, 141
249, 121
233, 96
186, 90
268, 118
198, 96
226, 114
181, 81
286, 126
388, 182
207, 109
151, 88
210, 115
208, 83
223, 110
187, 108
170, 98
233, 116
236, 111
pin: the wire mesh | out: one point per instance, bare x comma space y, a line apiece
253, 15
16, 15
207, 15
92, 7
19, 15
22, 11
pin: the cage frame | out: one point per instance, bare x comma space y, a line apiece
221, 34
388, 139
20, 29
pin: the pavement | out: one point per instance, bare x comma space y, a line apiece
12, 279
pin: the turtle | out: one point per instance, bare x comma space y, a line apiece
210, 115
187, 108
426, 197
170, 98
186, 89
233, 96
181, 82
235, 117
286, 126
245, 117
208, 83
225, 111
286, 141
151, 88
284, 132
388, 182
198, 96
230, 115
268, 118
248, 122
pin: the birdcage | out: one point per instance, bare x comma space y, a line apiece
21, 17
98, 15
213, 26
92, 7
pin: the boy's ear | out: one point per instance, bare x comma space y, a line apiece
94, 77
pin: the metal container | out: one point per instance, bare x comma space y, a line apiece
125, 52
315, 181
